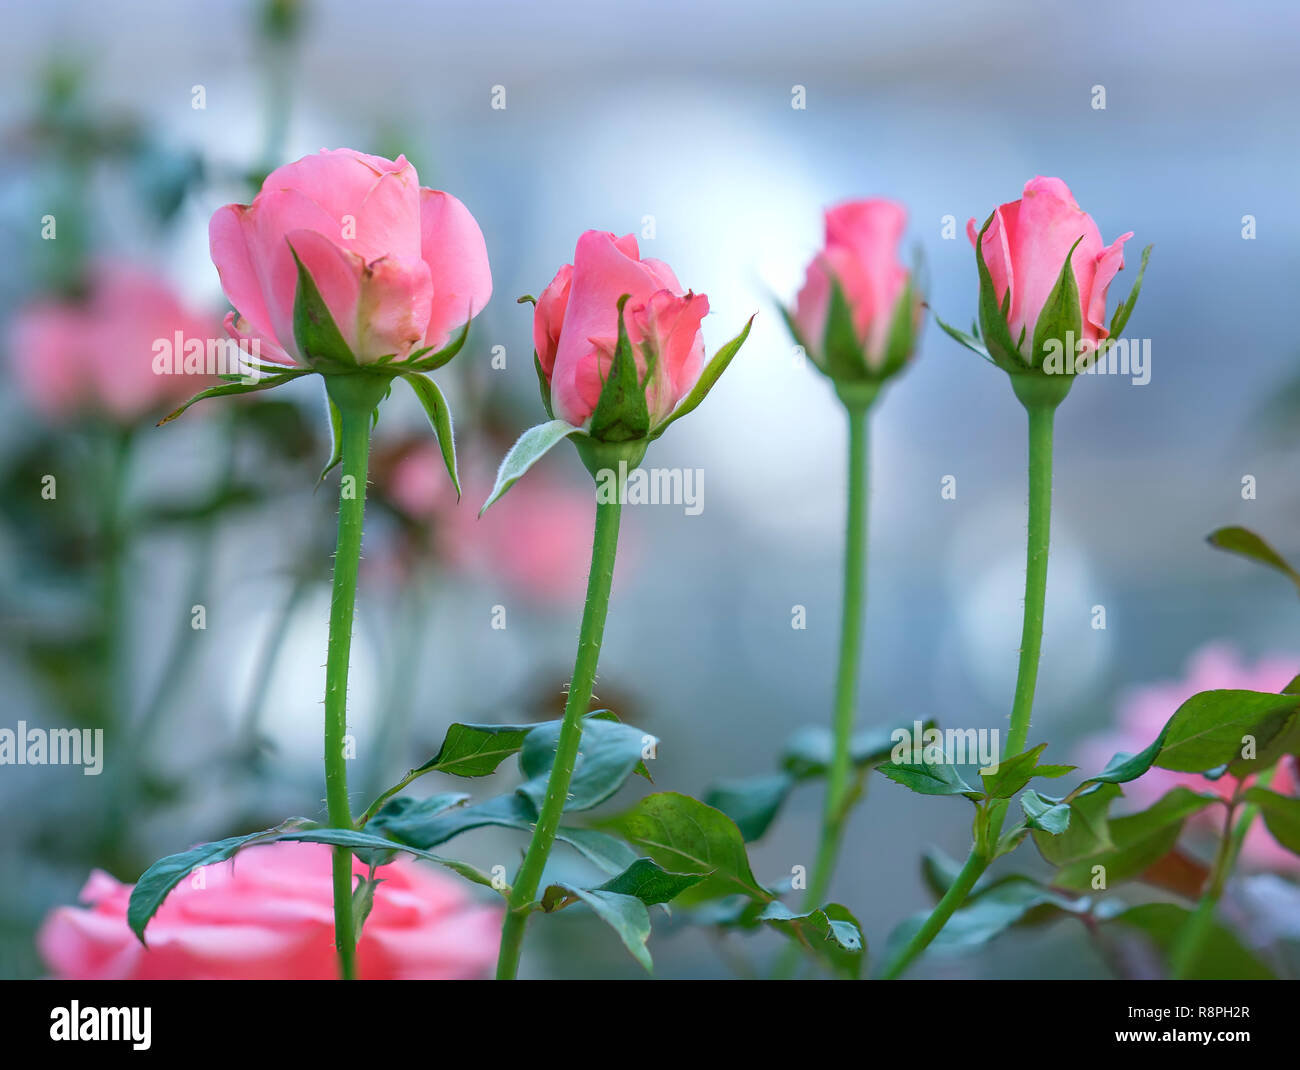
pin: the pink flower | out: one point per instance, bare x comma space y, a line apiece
537, 539
399, 267
1025, 248
861, 254
1144, 711
95, 354
268, 914
575, 327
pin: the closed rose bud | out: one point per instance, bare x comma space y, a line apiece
399, 267
1024, 249
95, 354
576, 328
858, 314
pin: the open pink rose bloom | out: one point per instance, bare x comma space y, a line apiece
399, 267
268, 914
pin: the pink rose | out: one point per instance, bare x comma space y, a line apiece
1025, 247
861, 255
95, 354
399, 267
575, 327
1144, 711
268, 914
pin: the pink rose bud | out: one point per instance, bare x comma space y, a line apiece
576, 329
268, 915
1034, 313
398, 267
98, 354
858, 314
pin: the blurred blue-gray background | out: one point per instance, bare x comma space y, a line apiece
675, 119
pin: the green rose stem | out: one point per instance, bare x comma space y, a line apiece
841, 791
1190, 940
603, 549
356, 397
1040, 394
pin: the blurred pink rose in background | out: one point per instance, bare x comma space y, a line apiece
94, 354
268, 915
1144, 711
399, 267
1025, 248
861, 254
575, 327
537, 538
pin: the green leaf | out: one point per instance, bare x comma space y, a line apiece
711, 374
363, 901
435, 407
621, 414
752, 803
1281, 814
961, 337
602, 850
1045, 815
157, 882
831, 933
644, 879
625, 914
1125, 310
685, 835
1140, 840
1016, 772
1221, 956
808, 751
473, 750
1208, 729
610, 752
930, 778
229, 389
1246, 543
1061, 317
527, 451
1088, 833
320, 342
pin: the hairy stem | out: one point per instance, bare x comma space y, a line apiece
524, 891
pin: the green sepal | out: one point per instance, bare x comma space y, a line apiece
543, 386
902, 337
528, 449
1120, 320
842, 353
711, 374
992, 317
970, 341
439, 414
621, 413
418, 362
320, 342
336, 440
1060, 320
229, 389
